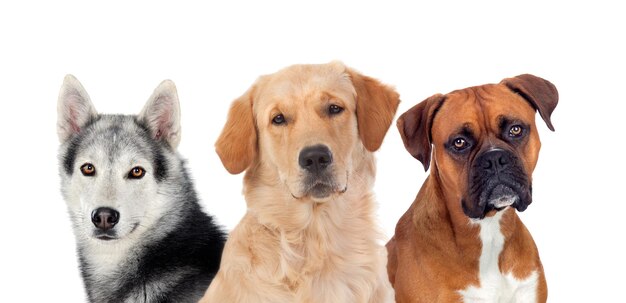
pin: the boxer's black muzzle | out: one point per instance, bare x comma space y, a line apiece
496, 180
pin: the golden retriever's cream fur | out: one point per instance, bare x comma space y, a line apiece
293, 245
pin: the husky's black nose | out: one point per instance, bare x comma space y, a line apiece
315, 158
105, 218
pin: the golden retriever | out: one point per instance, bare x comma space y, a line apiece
305, 136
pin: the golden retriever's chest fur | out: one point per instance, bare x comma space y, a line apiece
329, 245
338, 247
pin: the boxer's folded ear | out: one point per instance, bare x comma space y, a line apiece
542, 94
414, 126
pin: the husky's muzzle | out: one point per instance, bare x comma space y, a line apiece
105, 218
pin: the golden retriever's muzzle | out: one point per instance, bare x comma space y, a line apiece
319, 180
315, 159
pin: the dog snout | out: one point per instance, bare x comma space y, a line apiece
315, 158
495, 160
105, 218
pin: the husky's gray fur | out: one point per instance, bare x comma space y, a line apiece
158, 245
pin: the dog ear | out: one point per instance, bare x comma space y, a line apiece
376, 104
414, 126
540, 93
74, 108
237, 144
161, 114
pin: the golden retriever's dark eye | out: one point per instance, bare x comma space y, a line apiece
136, 173
334, 109
278, 119
88, 169
516, 131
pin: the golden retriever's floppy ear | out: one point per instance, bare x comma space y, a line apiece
414, 126
237, 145
376, 104
540, 93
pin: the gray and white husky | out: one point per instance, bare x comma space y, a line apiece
141, 234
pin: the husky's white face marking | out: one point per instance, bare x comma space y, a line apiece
132, 205
494, 285
136, 200
114, 145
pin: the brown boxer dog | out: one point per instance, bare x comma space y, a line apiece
461, 240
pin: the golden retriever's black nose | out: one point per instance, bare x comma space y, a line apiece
315, 158
105, 218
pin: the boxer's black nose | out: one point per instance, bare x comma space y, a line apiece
495, 160
315, 158
105, 218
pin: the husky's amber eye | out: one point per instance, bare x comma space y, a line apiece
88, 169
136, 173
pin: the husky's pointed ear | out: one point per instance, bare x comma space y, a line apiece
161, 114
237, 144
376, 104
540, 93
414, 126
74, 108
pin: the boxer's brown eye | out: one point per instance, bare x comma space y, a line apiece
88, 170
278, 119
460, 144
515, 131
136, 173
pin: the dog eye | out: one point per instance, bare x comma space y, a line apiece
460, 144
278, 119
88, 169
334, 109
136, 173
515, 131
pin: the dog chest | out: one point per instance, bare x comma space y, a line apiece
496, 286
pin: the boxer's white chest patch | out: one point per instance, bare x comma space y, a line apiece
494, 285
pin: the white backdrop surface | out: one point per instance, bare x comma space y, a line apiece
214, 50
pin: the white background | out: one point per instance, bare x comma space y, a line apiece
120, 51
